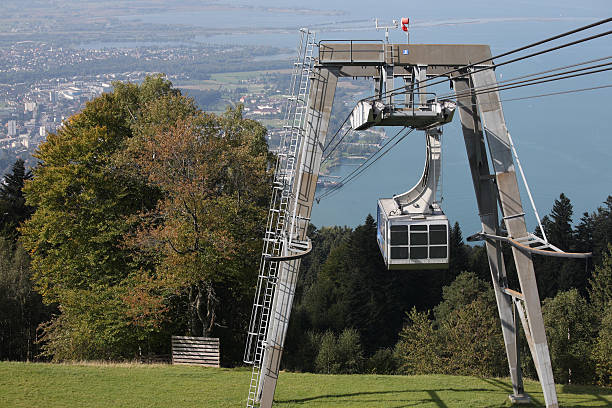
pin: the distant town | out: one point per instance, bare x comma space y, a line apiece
42, 85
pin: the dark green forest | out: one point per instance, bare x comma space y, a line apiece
143, 219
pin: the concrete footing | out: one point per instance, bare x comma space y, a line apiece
520, 399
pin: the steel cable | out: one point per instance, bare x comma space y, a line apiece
359, 170
458, 70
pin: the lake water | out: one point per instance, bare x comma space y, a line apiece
564, 142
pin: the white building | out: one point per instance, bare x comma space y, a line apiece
24, 140
12, 128
29, 107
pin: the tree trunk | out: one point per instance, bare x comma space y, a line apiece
194, 321
206, 307
203, 304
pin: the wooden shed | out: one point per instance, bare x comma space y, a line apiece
202, 351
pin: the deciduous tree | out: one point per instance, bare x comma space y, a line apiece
213, 174
86, 192
571, 329
600, 290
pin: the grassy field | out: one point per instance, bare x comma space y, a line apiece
229, 80
236, 77
124, 385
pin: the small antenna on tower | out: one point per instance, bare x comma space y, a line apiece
394, 24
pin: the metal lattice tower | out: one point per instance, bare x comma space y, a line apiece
280, 224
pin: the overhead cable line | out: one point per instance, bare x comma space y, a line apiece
504, 100
542, 72
479, 91
501, 86
520, 58
531, 55
556, 93
359, 170
535, 81
473, 65
508, 85
522, 85
327, 156
336, 134
373, 154
402, 90
558, 69
365, 165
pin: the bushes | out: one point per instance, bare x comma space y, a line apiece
382, 362
473, 343
570, 328
340, 355
464, 339
602, 353
328, 353
418, 351
90, 326
326, 361
349, 352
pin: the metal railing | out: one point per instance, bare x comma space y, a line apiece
352, 52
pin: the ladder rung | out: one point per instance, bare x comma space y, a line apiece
509, 217
513, 293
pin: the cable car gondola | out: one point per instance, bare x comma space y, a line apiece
413, 232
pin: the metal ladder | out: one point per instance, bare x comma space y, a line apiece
278, 234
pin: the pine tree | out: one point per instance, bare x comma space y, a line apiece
560, 274
458, 253
584, 233
21, 308
364, 287
559, 229
602, 231
13, 209
594, 232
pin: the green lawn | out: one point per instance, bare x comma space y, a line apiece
61, 385
233, 77
230, 80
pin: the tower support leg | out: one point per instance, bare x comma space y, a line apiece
488, 109
279, 321
322, 91
486, 197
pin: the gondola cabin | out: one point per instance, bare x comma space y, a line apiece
412, 241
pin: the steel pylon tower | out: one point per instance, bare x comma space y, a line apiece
490, 155
284, 238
